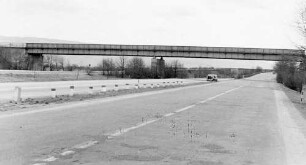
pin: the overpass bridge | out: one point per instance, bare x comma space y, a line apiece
36, 51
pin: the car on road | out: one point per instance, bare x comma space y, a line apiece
212, 77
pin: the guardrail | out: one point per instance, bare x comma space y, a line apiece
53, 91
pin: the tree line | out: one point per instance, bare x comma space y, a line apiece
134, 67
291, 73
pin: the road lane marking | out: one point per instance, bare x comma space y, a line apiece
184, 109
65, 153
85, 144
50, 159
169, 114
99, 101
294, 139
122, 131
119, 132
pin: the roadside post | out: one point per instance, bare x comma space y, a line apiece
53, 92
136, 86
302, 93
103, 88
127, 86
144, 85
116, 87
157, 85
17, 94
152, 86
71, 91
164, 84
90, 90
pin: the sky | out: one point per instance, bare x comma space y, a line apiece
228, 23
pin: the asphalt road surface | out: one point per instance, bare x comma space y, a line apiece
239, 122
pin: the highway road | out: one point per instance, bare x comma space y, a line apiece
238, 122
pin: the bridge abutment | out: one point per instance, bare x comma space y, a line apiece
158, 67
35, 62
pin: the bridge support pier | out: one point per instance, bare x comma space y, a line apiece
35, 62
158, 67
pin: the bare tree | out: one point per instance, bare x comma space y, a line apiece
301, 25
176, 65
108, 65
136, 67
5, 60
121, 63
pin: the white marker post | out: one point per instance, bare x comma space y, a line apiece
17, 94
127, 86
152, 86
116, 88
136, 86
144, 85
71, 91
302, 93
103, 88
157, 85
53, 92
91, 90
164, 84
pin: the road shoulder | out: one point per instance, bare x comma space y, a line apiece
292, 126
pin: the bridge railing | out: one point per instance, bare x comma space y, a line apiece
12, 45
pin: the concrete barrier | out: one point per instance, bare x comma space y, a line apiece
17, 96
53, 92
71, 91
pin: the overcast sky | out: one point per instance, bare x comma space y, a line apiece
235, 23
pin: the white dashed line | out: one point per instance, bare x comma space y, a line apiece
122, 131
65, 153
184, 109
50, 159
85, 144
169, 114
